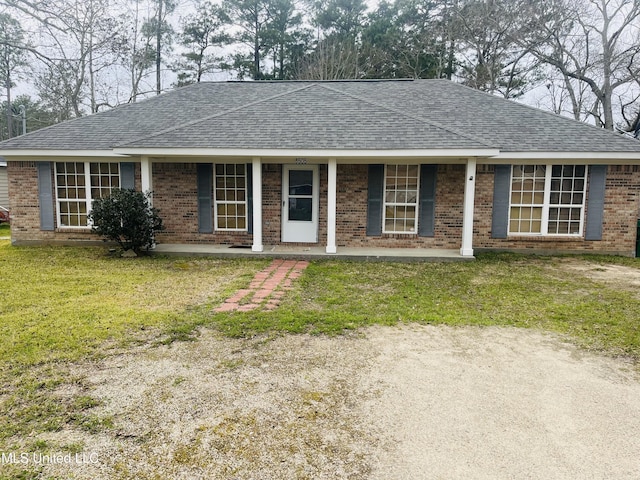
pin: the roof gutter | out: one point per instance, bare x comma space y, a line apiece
603, 157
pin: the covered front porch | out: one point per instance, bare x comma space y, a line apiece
332, 197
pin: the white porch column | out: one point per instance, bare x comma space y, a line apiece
145, 176
256, 165
332, 175
466, 250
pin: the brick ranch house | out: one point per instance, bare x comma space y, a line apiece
421, 164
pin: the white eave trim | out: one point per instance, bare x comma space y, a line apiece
610, 157
306, 153
484, 155
43, 153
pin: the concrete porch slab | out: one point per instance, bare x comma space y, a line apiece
316, 253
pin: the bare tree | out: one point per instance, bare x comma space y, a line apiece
594, 42
133, 45
76, 42
56, 93
489, 57
331, 60
12, 57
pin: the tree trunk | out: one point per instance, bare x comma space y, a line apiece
607, 55
158, 46
92, 79
451, 56
134, 51
575, 105
9, 111
256, 56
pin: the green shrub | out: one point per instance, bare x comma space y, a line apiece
127, 218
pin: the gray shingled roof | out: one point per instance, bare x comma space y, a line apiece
376, 115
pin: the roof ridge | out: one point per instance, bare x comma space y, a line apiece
210, 117
415, 117
337, 80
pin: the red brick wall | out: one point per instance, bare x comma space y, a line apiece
175, 194
272, 202
25, 209
352, 211
621, 212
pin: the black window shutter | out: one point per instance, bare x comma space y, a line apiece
374, 200
501, 188
45, 196
249, 168
595, 202
205, 184
128, 175
427, 207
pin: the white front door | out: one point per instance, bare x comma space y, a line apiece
300, 203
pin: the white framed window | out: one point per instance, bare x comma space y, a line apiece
547, 199
401, 184
230, 211
77, 185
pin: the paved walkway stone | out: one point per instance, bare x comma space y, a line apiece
267, 287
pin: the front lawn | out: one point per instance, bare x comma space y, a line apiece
65, 305
68, 303
496, 289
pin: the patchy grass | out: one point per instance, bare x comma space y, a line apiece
505, 290
61, 305
64, 303
68, 303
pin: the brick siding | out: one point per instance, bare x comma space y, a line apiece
25, 209
621, 212
175, 195
351, 212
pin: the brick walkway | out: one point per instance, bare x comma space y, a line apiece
266, 288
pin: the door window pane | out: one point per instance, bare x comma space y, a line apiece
300, 209
300, 182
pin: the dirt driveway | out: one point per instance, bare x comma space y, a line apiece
411, 402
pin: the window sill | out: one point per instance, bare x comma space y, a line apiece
546, 238
73, 229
